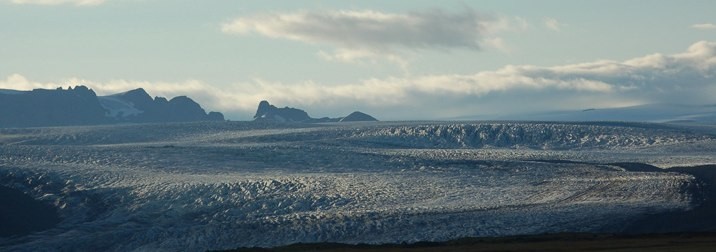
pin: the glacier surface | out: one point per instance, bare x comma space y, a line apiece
219, 185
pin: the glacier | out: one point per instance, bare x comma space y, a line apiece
222, 185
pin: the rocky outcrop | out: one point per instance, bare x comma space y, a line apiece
268, 112
358, 117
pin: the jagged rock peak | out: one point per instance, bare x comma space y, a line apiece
139, 92
79, 89
264, 108
138, 96
268, 112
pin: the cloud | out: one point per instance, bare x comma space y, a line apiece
683, 78
688, 77
553, 24
704, 26
360, 34
59, 2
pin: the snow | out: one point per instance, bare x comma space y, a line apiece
203, 186
118, 107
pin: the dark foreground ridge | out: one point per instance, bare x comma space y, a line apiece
81, 106
546, 242
20, 214
700, 219
270, 113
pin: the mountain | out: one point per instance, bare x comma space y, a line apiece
44, 107
640, 113
358, 117
268, 112
81, 106
655, 112
137, 106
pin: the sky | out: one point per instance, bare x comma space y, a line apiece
395, 60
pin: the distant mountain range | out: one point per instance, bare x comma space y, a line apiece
137, 106
657, 113
81, 106
268, 112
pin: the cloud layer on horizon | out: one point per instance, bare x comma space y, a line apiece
683, 78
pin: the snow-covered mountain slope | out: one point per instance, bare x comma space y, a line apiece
200, 186
117, 107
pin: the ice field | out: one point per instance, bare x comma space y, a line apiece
222, 185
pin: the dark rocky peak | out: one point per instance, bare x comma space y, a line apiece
46, 107
269, 112
183, 100
77, 94
160, 100
187, 105
140, 107
215, 116
264, 108
78, 91
358, 117
139, 97
82, 91
136, 92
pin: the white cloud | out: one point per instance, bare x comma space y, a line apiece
363, 56
369, 34
553, 24
704, 26
369, 29
688, 77
499, 44
59, 2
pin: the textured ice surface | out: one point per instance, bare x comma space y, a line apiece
200, 186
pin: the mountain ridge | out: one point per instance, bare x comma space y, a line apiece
653, 112
82, 106
268, 112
